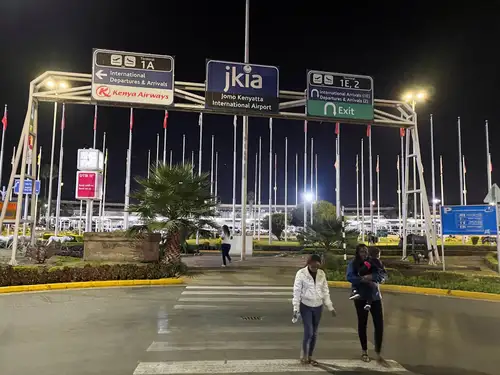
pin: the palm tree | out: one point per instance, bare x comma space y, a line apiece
176, 201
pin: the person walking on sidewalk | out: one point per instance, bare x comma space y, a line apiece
310, 293
225, 245
370, 283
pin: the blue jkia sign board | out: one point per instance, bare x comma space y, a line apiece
478, 220
242, 88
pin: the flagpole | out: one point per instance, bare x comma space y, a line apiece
216, 174
357, 188
270, 176
4, 122
171, 157
39, 163
316, 174
488, 160
402, 173
192, 163
370, 160
460, 166
90, 203
260, 188
433, 173
200, 152
441, 178
165, 119
378, 190
51, 170
337, 172
149, 162
312, 181
399, 196
296, 180
305, 174
235, 125
254, 204
275, 182
105, 183
415, 200
157, 149
464, 171
183, 149
59, 179
286, 188
212, 167
95, 128
362, 191
129, 165
100, 201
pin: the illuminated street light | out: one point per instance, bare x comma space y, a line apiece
308, 197
51, 84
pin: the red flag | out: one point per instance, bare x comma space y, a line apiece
165, 120
369, 131
131, 118
63, 118
95, 118
4, 118
337, 128
401, 132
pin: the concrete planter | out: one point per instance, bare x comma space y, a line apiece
117, 247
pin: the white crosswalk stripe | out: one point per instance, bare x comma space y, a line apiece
212, 344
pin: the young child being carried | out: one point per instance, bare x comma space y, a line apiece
372, 266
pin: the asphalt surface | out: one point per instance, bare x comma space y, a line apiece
199, 329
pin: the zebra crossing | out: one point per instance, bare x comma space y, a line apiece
205, 332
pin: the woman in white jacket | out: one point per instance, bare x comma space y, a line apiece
310, 293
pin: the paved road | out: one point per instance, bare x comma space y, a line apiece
199, 329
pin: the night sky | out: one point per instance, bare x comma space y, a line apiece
449, 50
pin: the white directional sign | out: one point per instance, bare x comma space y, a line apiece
134, 78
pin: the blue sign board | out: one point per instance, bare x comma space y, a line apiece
469, 220
240, 88
28, 186
132, 78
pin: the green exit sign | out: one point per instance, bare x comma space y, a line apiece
339, 96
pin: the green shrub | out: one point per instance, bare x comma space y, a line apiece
474, 240
491, 261
24, 275
436, 279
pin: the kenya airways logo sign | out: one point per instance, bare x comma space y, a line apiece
103, 91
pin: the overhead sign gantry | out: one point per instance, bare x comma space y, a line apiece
129, 79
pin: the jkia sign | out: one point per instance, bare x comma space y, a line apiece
240, 88
88, 185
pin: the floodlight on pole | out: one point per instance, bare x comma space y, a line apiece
308, 197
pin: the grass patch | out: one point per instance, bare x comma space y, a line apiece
335, 268
491, 261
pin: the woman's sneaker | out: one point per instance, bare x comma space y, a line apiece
354, 294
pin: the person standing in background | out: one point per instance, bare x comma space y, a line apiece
225, 245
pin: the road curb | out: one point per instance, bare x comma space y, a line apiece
88, 284
426, 291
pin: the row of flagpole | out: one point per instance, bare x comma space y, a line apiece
313, 162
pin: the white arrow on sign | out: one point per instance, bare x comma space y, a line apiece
493, 195
100, 74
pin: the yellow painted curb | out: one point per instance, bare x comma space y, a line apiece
88, 284
426, 291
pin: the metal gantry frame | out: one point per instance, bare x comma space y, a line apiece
387, 113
